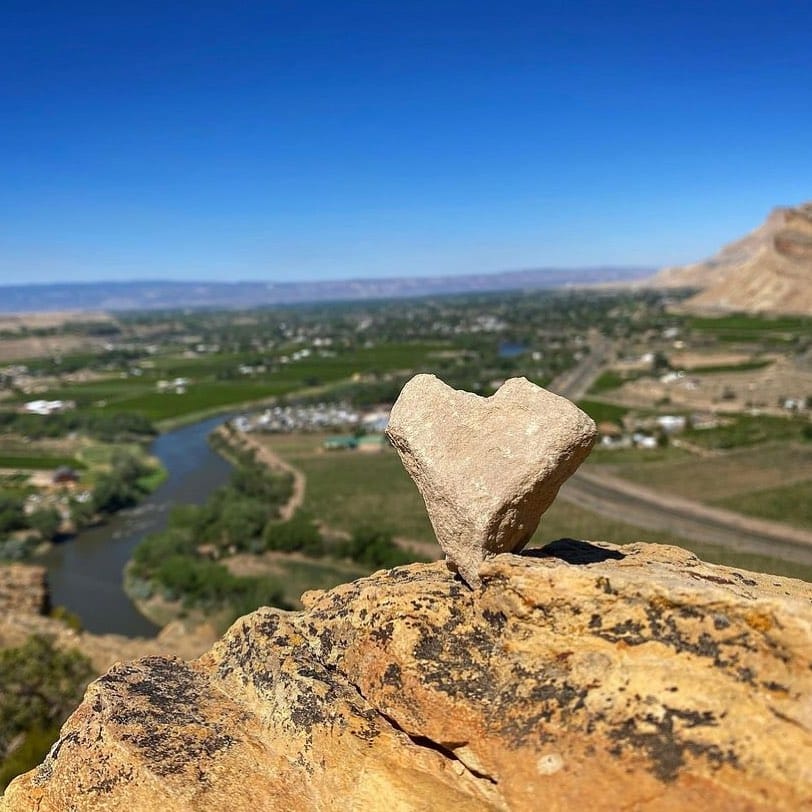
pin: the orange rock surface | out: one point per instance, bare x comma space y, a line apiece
585, 677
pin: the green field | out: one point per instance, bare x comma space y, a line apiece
773, 482
565, 520
713, 369
712, 478
601, 412
644, 458
215, 383
296, 574
38, 463
790, 503
608, 379
91, 459
748, 430
348, 489
740, 327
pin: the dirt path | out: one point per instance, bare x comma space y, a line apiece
428, 549
269, 457
697, 450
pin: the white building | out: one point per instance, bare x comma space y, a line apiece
671, 423
45, 407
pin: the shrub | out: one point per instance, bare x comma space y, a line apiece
299, 534
12, 516
374, 548
46, 522
70, 619
41, 686
18, 549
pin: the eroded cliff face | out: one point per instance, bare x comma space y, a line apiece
24, 603
590, 676
769, 270
23, 589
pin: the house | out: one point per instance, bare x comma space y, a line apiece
372, 443
671, 423
704, 420
340, 442
209, 551
641, 440
178, 385
376, 421
612, 436
46, 407
64, 475
606, 428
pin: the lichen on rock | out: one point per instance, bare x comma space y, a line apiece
578, 676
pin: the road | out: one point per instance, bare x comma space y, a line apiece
619, 499
625, 501
575, 382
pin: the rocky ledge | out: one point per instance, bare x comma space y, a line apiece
581, 676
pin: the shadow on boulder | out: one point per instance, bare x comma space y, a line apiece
574, 551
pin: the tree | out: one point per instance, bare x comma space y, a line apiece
297, 534
82, 513
41, 686
660, 362
46, 522
12, 516
128, 467
375, 548
112, 493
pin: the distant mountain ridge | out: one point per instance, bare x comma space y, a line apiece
163, 295
768, 270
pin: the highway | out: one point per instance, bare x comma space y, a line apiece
575, 382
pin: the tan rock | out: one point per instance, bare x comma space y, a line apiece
23, 589
179, 639
590, 677
768, 270
487, 468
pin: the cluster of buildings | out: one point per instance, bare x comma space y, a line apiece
646, 434
361, 431
313, 417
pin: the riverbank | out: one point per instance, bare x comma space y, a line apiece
86, 573
245, 442
48, 499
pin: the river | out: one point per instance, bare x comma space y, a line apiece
85, 573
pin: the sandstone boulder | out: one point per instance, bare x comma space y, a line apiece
487, 468
585, 676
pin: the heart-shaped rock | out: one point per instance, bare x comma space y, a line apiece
487, 468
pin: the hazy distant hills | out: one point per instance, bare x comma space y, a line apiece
769, 270
161, 295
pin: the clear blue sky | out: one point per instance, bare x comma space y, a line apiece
291, 139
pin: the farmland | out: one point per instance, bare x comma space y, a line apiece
348, 489
741, 384
213, 383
